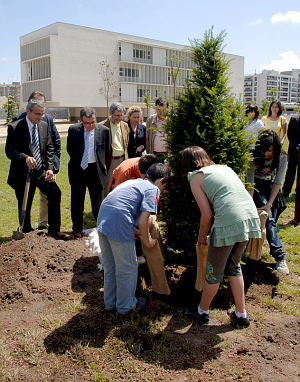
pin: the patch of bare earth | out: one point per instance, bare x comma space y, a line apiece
54, 326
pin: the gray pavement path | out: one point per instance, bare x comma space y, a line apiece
61, 125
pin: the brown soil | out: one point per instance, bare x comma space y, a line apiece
54, 326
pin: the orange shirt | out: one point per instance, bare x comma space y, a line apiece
125, 171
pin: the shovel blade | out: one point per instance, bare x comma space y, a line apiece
17, 235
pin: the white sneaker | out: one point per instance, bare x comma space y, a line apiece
282, 267
141, 259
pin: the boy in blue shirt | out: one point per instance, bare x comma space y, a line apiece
128, 205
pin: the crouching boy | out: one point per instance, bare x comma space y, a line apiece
128, 205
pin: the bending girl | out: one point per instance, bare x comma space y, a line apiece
235, 221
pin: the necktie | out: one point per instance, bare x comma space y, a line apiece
85, 157
36, 148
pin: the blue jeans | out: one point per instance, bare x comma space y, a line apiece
120, 273
260, 200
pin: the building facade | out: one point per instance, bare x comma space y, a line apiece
13, 89
284, 86
63, 61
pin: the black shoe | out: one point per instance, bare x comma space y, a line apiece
140, 304
239, 321
111, 311
192, 312
27, 229
43, 226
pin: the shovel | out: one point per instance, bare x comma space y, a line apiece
18, 235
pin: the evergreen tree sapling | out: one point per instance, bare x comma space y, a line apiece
206, 114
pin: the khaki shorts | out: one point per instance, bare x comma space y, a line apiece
222, 260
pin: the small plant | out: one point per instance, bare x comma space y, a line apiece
11, 107
109, 88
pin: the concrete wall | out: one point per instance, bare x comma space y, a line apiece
75, 54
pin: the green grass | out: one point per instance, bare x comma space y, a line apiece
287, 290
9, 210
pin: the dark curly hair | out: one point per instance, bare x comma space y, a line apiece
266, 139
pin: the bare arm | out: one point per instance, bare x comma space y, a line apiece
283, 128
275, 189
144, 230
203, 204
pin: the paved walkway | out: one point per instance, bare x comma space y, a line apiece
61, 125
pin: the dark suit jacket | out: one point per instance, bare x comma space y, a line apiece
54, 136
140, 139
18, 148
75, 148
125, 134
294, 131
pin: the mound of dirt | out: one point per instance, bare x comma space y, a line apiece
39, 268
39, 272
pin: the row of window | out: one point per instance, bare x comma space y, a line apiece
140, 53
129, 72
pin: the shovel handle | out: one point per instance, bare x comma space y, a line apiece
27, 184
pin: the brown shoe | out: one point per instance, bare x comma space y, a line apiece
60, 235
77, 235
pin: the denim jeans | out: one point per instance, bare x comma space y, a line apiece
260, 199
120, 273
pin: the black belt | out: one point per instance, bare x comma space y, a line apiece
119, 157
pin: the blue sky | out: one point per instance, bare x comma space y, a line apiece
265, 32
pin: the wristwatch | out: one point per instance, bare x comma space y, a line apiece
270, 204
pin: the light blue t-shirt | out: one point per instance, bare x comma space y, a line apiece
122, 207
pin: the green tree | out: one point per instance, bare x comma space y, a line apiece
297, 109
148, 102
206, 115
273, 93
174, 72
109, 89
265, 103
11, 107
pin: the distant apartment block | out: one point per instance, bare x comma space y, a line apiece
284, 85
62, 61
13, 89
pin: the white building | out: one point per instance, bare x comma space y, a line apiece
13, 89
62, 61
284, 85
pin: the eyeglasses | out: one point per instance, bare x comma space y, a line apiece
38, 114
118, 115
89, 123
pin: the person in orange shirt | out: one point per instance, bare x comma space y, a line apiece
132, 168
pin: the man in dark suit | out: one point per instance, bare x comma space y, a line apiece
43, 213
29, 147
89, 147
294, 141
119, 133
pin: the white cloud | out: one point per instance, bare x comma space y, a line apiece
289, 60
290, 16
256, 22
4, 58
